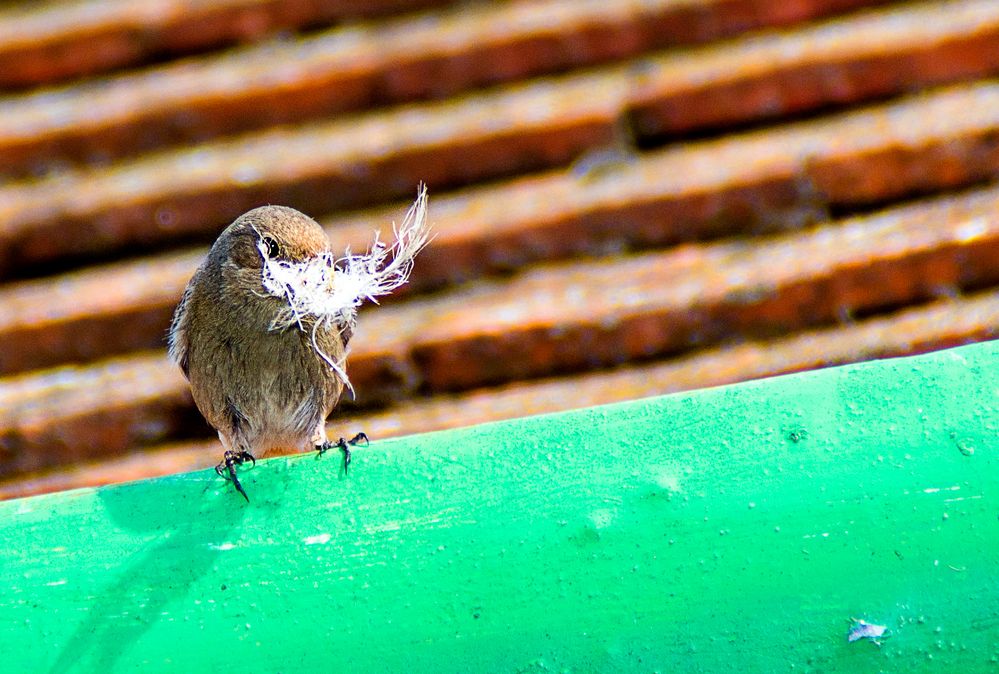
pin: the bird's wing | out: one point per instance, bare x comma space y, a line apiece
178, 340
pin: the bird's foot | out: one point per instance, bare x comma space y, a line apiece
344, 446
227, 468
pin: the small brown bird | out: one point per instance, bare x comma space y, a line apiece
262, 330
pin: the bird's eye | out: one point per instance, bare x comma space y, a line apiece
271, 245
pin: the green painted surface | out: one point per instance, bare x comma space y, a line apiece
738, 527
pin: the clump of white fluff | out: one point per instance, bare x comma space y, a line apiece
326, 292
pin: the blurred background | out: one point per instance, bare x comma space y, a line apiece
631, 197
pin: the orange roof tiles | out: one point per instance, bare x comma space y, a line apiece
616, 216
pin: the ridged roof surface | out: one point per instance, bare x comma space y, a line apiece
631, 197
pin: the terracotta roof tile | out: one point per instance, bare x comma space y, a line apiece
557, 318
641, 217
842, 61
782, 178
52, 41
940, 325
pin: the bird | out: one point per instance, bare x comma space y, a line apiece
262, 329
266, 391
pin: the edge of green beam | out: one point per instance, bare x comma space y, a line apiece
749, 526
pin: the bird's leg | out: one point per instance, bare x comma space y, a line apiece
344, 446
227, 467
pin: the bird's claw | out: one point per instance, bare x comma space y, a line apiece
344, 446
227, 468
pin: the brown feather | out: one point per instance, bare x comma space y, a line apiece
266, 391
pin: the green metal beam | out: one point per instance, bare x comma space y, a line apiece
733, 528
